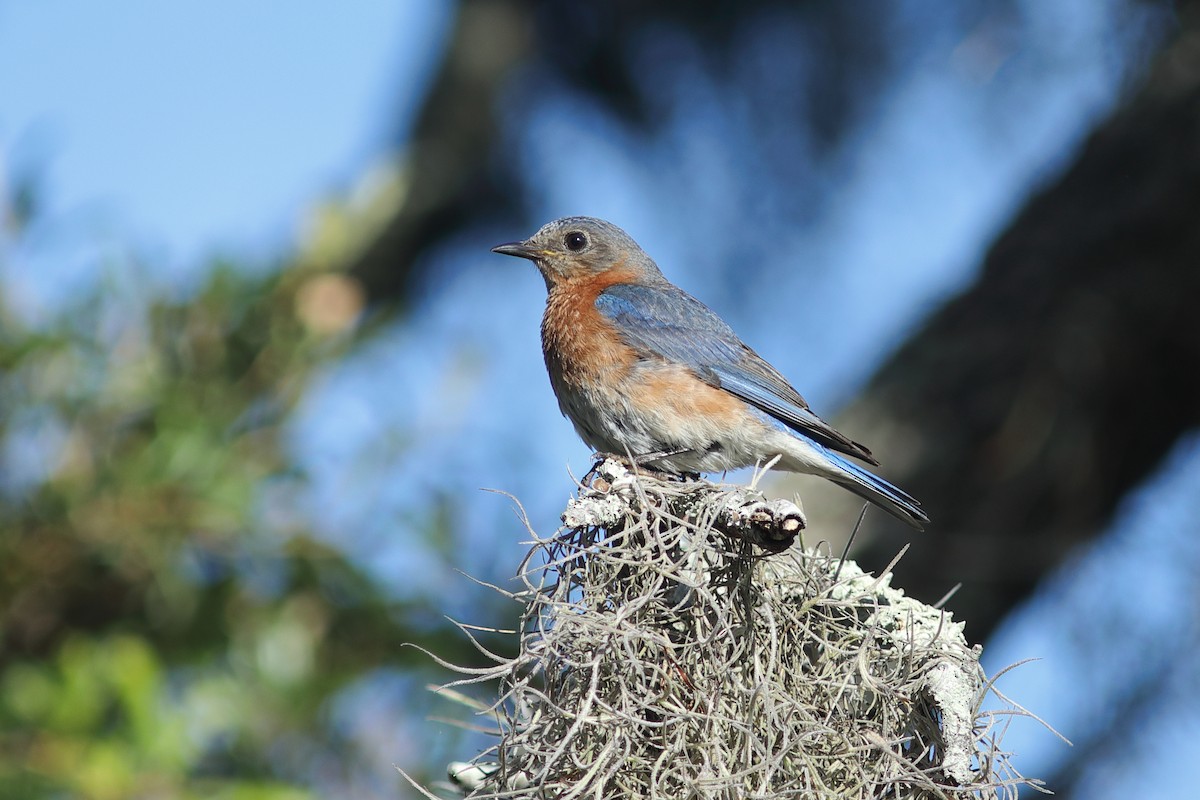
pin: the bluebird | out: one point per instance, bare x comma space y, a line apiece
642, 368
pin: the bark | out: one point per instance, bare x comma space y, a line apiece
1031, 404
502, 53
450, 178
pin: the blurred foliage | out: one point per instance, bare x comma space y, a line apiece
169, 625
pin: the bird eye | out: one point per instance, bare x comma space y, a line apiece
575, 241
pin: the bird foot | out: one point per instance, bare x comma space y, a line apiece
639, 464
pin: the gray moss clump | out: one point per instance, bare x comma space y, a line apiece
664, 656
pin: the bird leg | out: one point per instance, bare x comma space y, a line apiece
641, 463
645, 459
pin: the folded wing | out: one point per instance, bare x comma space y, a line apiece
662, 321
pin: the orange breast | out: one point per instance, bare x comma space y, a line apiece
580, 345
618, 400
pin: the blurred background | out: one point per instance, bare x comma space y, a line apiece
257, 363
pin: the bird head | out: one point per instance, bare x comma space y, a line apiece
574, 248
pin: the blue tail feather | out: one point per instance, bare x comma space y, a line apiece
871, 487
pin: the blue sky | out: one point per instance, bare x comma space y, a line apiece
188, 129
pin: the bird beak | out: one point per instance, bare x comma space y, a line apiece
518, 249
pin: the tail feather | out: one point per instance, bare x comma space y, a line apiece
871, 487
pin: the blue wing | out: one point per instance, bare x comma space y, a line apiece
662, 321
